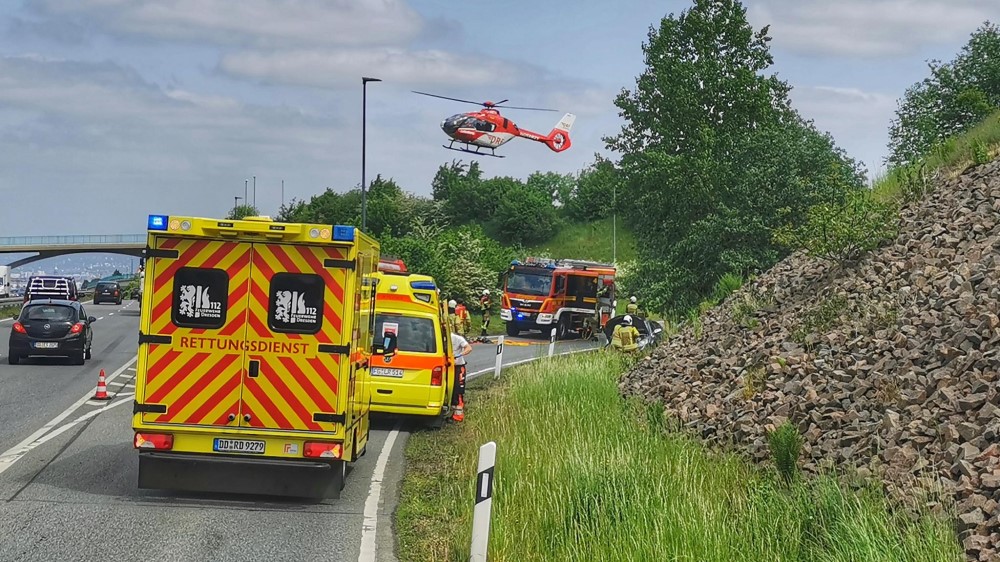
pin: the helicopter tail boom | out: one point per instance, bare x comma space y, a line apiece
558, 139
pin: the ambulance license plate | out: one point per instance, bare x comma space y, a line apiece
387, 372
238, 446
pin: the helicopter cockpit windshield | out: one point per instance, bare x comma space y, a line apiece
465, 121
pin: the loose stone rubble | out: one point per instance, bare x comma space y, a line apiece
888, 365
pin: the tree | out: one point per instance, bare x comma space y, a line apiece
713, 156
242, 211
523, 214
955, 97
593, 195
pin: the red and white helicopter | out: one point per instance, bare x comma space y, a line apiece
486, 128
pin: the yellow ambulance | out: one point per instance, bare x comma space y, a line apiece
254, 343
418, 378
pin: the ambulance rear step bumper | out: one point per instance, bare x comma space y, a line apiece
239, 475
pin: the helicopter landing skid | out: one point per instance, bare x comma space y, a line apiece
449, 147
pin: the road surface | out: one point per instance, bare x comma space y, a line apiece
68, 472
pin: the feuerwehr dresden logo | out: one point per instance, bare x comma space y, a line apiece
197, 303
290, 308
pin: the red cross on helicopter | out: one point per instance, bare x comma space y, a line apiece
487, 129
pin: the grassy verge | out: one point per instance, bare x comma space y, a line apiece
9, 310
583, 475
977, 146
589, 241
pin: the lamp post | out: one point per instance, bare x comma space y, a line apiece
236, 203
245, 183
364, 187
255, 191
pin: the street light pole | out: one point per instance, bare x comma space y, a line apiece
364, 188
255, 192
245, 183
236, 203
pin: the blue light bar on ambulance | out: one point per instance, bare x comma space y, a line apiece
343, 233
157, 222
426, 285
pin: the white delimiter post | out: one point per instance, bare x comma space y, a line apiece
552, 342
496, 368
484, 502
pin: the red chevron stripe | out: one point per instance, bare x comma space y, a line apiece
303, 380
281, 255
153, 370
200, 384
328, 377
215, 400
338, 291
184, 257
185, 371
253, 387
290, 400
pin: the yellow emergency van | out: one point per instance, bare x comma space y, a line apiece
254, 343
418, 378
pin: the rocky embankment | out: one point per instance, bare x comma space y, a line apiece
889, 365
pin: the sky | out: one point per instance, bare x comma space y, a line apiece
111, 110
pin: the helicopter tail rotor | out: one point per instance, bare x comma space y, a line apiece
558, 140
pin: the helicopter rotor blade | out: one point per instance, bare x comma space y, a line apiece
446, 97
525, 108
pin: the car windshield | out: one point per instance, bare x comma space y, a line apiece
48, 313
107, 286
412, 333
529, 283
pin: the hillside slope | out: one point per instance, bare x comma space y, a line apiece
589, 241
889, 365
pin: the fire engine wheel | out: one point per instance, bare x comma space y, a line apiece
562, 328
512, 329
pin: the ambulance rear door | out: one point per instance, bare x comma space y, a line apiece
191, 343
297, 351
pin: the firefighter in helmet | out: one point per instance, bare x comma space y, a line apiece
625, 336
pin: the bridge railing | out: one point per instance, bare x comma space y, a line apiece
76, 239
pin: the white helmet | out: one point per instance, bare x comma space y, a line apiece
486, 291
627, 320
452, 303
631, 299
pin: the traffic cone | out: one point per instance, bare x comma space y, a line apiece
459, 413
102, 388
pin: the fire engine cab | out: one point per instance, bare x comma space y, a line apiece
540, 294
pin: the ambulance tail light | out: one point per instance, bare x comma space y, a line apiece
158, 441
437, 376
322, 450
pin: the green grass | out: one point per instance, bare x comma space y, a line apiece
583, 475
589, 241
951, 157
9, 310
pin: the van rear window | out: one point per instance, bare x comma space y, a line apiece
201, 298
296, 303
412, 334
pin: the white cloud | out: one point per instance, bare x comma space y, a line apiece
858, 120
332, 67
869, 28
257, 22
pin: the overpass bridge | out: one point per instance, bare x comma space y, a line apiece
50, 246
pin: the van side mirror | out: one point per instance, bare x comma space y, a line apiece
386, 347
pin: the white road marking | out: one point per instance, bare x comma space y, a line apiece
15, 453
101, 318
111, 314
471, 376
131, 368
64, 428
369, 546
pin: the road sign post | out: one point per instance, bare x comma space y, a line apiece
552, 342
484, 502
496, 368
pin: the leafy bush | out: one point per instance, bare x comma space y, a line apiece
843, 232
980, 153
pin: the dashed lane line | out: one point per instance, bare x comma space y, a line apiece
15, 453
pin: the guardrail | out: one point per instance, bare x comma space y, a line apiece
18, 300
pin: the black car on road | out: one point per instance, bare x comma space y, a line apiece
107, 291
51, 327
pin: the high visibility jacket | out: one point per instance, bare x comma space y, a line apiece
625, 338
632, 308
